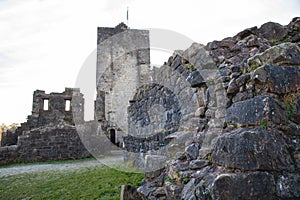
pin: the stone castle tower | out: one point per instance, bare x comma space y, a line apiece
123, 65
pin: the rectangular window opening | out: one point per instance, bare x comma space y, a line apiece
68, 105
46, 104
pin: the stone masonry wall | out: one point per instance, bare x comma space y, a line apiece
249, 148
50, 132
56, 112
164, 115
123, 64
51, 143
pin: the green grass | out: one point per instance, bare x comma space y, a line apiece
87, 183
263, 124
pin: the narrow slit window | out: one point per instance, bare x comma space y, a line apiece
68, 105
46, 104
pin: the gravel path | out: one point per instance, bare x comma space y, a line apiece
30, 168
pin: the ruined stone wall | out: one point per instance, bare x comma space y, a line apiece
123, 58
56, 111
9, 138
166, 115
50, 132
250, 146
54, 114
8, 154
52, 143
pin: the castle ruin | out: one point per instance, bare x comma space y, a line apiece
123, 65
219, 110
49, 132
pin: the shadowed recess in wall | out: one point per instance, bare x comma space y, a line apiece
151, 134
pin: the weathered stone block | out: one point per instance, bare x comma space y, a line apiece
198, 164
279, 79
8, 155
145, 191
272, 30
129, 192
175, 166
253, 150
252, 186
287, 54
288, 186
252, 111
154, 162
178, 141
195, 79
192, 151
173, 191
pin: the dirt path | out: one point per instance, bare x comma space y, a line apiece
30, 168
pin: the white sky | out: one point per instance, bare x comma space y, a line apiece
45, 42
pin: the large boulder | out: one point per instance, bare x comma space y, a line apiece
273, 31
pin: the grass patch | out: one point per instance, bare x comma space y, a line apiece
192, 67
263, 124
88, 183
253, 66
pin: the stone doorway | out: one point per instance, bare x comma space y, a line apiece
112, 136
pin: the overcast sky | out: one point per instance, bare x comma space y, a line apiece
45, 42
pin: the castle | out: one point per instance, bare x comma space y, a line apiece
123, 65
215, 112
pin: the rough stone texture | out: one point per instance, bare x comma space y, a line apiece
253, 150
192, 151
254, 89
278, 79
174, 167
198, 164
10, 137
173, 191
257, 185
161, 114
178, 141
271, 30
256, 110
286, 54
129, 192
154, 163
288, 185
51, 143
8, 154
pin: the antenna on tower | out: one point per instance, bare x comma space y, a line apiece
127, 16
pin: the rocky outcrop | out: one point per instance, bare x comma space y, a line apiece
247, 144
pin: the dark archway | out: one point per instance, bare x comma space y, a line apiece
112, 136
